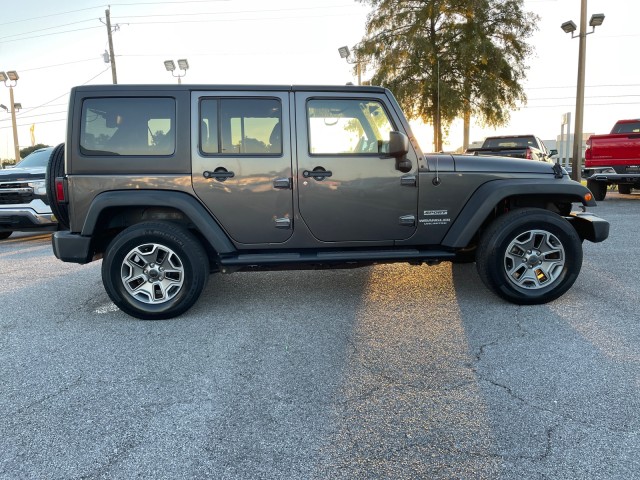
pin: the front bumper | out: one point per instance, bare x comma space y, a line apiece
18, 218
589, 226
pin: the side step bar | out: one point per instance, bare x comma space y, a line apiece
246, 259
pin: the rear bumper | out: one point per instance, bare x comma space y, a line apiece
72, 247
589, 226
616, 177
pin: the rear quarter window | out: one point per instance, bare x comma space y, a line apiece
128, 126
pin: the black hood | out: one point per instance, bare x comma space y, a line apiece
480, 163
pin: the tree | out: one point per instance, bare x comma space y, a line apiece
26, 151
449, 58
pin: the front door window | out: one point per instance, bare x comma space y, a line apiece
347, 127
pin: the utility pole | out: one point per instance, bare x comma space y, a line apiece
576, 162
111, 55
16, 146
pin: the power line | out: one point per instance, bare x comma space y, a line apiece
586, 105
48, 34
35, 116
324, 7
590, 96
50, 15
10, 38
48, 28
60, 96
587, 86
31, 123
132, 4
233, 20
58, 65
105, 5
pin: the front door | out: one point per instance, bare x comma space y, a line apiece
348, 187
241, 163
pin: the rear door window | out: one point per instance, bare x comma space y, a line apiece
241, 126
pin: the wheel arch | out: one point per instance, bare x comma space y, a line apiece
111, 212
497, 197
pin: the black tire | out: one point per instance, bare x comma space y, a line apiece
624, 189
598, 189
467, 255
5, 235
529, 256
155, 270
55, 168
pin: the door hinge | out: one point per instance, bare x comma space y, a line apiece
407, 220
408, 181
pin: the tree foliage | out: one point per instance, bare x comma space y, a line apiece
27, 150
446, 59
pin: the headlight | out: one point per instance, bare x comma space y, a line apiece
39, 187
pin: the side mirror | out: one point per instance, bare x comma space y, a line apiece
398, 149
398, 144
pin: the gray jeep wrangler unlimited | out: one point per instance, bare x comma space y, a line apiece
170, 183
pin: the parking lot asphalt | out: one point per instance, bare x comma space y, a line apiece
393, 371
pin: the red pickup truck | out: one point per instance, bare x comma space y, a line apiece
614, 159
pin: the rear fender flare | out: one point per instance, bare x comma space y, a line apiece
192, 209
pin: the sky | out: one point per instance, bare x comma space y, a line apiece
57, 45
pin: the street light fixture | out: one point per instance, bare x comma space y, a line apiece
345, 53
596, 20
183, 65
570, 27
11, 77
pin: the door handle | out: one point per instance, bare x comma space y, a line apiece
319, 173
283, 183
220, 174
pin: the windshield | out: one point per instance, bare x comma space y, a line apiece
36, 159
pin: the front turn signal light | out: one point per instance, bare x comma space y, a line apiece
588, 197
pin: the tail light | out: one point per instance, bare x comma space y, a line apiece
587, 153
61, 196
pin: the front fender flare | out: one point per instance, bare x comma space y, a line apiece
486, 197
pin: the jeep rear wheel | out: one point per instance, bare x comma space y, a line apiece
529, 256
155, 270
55, 168
599, 189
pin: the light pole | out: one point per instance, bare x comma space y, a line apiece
12, 77
183, 65
345, 53
570, 27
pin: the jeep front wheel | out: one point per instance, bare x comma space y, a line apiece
529, 256
155, 270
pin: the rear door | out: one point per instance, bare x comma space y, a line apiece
241, 162
348, 186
